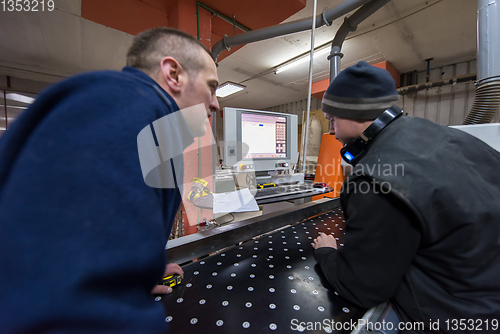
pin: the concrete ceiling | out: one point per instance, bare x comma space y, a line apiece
52, 45
406, 33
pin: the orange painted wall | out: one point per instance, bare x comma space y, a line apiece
256, 14
134, 16
319, 88
130, 16
392, 70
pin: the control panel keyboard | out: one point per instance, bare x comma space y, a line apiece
284, 190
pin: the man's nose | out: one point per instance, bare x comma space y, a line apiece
331, 128
214, 105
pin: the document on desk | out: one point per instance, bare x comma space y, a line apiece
235, 201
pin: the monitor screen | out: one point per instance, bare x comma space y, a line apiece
257, 140
265, 136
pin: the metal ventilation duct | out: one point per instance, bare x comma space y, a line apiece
350, 24
487, 100
286, 28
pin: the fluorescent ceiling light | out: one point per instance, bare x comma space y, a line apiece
19, 98
299, 61
12, 107
228, 88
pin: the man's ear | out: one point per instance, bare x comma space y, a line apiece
171, 72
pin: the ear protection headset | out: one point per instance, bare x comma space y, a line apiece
354, 150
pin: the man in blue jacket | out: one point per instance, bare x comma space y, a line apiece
82, 236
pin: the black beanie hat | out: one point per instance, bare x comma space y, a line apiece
361, 91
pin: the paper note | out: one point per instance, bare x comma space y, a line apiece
235, 201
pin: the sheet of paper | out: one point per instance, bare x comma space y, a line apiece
235, 201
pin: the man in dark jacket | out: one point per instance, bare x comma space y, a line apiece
82, 236
421, 210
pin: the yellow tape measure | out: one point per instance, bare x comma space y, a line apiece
171, 280
265, 185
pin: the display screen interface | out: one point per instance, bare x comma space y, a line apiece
265, 136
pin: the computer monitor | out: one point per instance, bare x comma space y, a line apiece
256, 141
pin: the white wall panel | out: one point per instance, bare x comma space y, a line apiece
297, 107
446, 105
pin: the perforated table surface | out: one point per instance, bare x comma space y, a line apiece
270, 284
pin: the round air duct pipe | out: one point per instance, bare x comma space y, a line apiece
487, 99
486, 103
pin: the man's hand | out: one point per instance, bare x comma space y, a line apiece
324, 240
170, 269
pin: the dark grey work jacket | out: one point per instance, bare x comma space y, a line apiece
422, 228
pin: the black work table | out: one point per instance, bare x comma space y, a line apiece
267, 284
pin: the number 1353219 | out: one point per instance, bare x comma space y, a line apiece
27, 5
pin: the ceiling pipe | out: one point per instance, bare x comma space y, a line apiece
350, 24
326, 17
438, 83
487, 99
